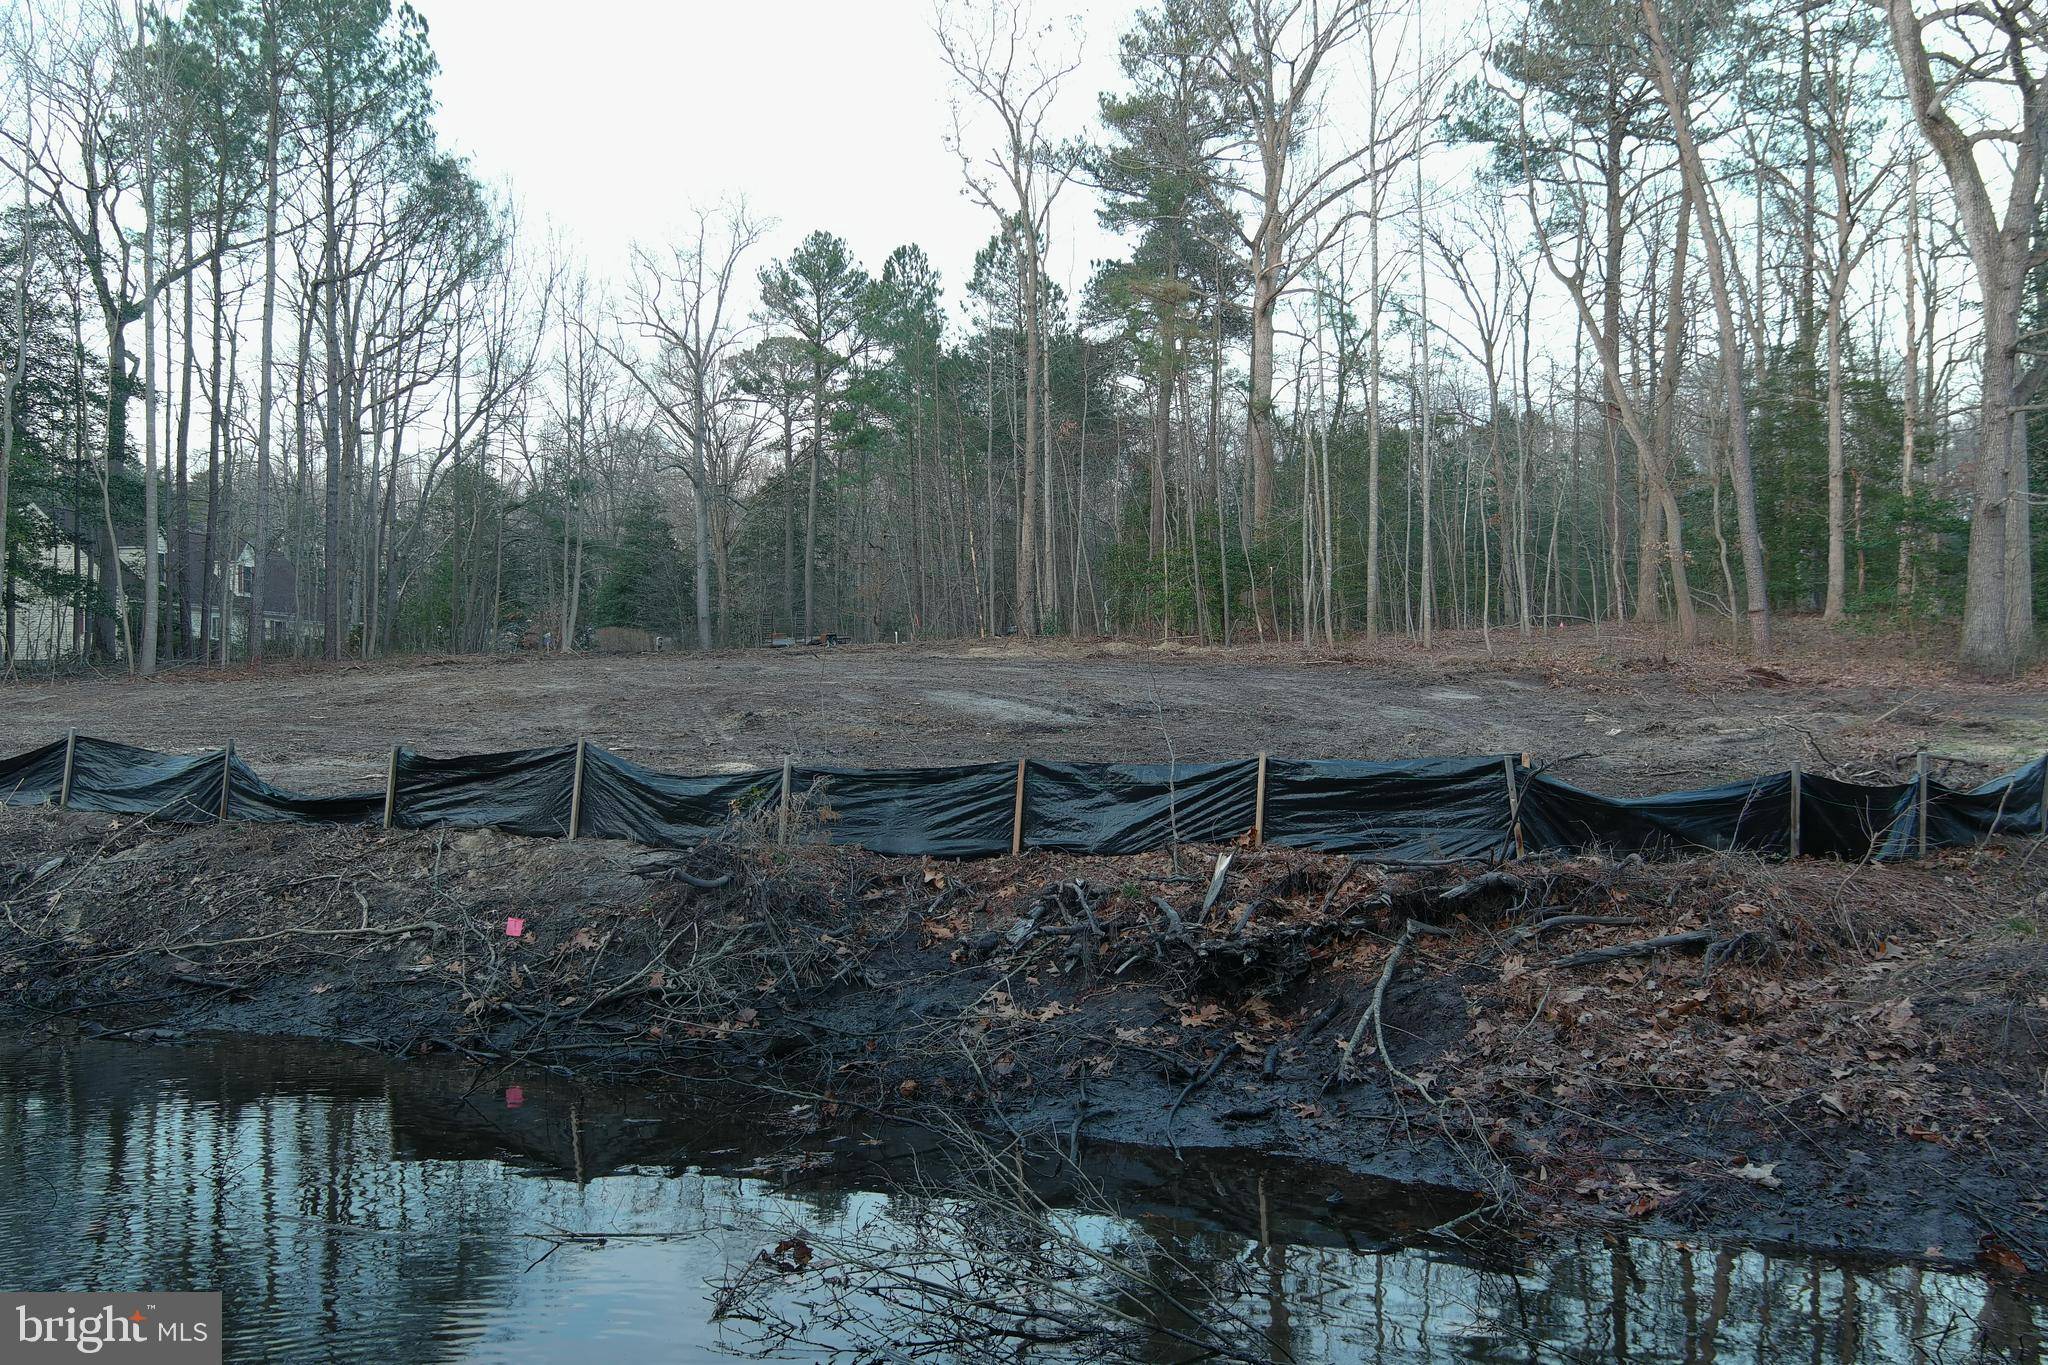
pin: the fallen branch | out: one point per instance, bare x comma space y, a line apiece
1544, 926
1485, 881
1208, 1074
1375, 1010
1696, 938
1337, 884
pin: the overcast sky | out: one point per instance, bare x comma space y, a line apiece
612, 117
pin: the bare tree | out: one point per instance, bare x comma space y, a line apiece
1012, 66
681, 302
16, 372
1990, 60
1672, 84
1276, 61
73, 163
1622, 407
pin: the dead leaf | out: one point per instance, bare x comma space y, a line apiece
1758, 1173
1993, 1254
791, 1254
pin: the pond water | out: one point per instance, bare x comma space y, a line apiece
353, 1209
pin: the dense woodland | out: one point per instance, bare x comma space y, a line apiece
1672, 311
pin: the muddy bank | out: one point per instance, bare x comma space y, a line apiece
1813, 1054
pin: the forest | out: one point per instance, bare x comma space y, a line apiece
1688, 314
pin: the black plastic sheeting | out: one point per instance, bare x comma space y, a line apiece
252, 798
1754, 816
119, 779
1426, 810
965, 811
2012, 804
1131, 807
523, 791
1849, 820
622, 800
33, 778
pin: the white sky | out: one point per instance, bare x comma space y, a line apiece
612, 117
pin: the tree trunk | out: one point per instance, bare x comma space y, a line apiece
1998, 617
1909, 392
1372, 428
788, 519
260, 538
1610, 347
811, 497
152, 583
1259, 427
10, 397
701, 485
1162, 407
1666, 441
1694, 174
1425, 423
179, 568
1835, 606
1027, 485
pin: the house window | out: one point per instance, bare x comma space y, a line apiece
245, 579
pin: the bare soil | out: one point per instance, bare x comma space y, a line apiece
1825, 1055
1625, 712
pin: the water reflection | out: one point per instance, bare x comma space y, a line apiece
354, 1210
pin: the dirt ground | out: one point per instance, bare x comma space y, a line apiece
1817, 1054
1621, 711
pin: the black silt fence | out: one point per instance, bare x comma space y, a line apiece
1423, 810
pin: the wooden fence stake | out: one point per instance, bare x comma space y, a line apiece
227, 779
1794, 812
1259, 806
70, 753
1017, 812
391, 788
576, 794
782, 830
1507, 764
1920, 802
1520, 850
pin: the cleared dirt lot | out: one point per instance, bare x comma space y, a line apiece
1619, 712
